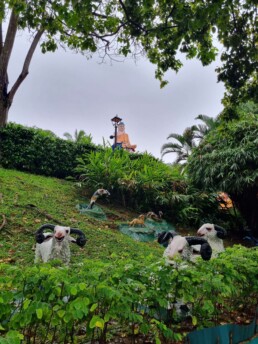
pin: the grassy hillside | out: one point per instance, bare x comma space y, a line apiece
116, 289
28, 201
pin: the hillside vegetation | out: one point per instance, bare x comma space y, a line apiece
26, 197
116, 290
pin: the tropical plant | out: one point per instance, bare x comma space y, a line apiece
141, 182
227, 159
201, 130
79, 137
183, 148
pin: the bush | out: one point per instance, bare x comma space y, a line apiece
141, 182
40, 152
147, 184
99, 299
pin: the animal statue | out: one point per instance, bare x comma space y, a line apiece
180, 245
56, 244
154, 216
139, 221
96, 195
214, 234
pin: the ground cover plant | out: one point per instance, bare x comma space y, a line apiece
115, 289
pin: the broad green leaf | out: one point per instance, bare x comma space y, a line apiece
26, 304
194, 320
73, 290
96, 321
61, 313
39, 313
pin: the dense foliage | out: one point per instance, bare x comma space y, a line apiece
142, 182
227, 159
98, 300
38, 151
147, 184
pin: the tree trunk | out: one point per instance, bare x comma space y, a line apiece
3, 114
4, 105
6, 97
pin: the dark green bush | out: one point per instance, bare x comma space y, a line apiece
40, 152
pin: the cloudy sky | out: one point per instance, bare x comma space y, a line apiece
65, 91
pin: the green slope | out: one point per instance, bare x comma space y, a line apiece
28, 201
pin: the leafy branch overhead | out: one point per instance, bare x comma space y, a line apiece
158, 29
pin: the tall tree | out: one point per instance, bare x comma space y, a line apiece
182, 147
237, 30
227, 160
158, 29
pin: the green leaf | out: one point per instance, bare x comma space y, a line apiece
61, 313
82, 286
93, 307
194, 320
96, 321
39, 313
26, 304
73, 290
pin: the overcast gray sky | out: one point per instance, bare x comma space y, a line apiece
65, 91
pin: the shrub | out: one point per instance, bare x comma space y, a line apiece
141, 181
145, 183
98, 299
40, 152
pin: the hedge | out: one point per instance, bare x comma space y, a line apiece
40, 152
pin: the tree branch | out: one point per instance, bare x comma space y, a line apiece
143, 29
99, 15
8, 45
25, 69
129, 19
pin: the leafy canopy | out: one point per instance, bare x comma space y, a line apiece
158, 28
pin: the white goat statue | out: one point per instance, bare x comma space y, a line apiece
56, 244
182, 246
214, 235
179, 245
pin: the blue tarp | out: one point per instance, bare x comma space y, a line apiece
149, 232
95, 212
224, 334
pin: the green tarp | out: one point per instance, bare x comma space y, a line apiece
148, 233
95, 212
